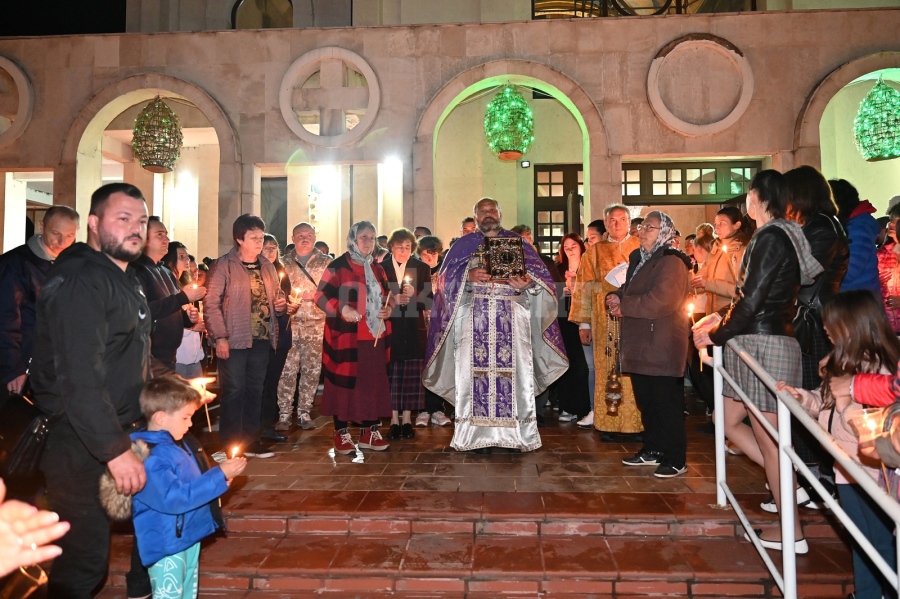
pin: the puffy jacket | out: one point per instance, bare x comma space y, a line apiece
655, 323
172, 512
165, 300
92, 348
828, 243
767, 295
22, 273
862, 270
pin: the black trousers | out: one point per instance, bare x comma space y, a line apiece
73, 486
269, 412
433, 402
661, 402
241, 379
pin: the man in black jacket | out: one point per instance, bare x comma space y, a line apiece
164, 298
91, 358
22, 273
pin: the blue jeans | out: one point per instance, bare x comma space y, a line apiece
241, 379
878, 528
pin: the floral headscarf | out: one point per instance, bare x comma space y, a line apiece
373, 287
663, 240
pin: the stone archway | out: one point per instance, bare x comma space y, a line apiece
807, 144
82, 141
602, 172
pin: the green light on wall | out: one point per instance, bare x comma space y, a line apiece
877, 124
509, 125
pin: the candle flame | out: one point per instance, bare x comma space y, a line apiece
234, 451
690, 308
194, 286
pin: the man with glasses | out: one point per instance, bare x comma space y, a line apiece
592, 284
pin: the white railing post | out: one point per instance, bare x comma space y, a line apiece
788, 503
718, 424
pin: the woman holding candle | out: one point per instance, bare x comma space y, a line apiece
189, 356
409, 280
718, 275
777, 262
352, 295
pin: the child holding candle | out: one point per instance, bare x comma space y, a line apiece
863, 343
177, 507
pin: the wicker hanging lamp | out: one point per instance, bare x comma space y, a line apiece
157, 140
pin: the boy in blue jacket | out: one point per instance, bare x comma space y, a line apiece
172, 513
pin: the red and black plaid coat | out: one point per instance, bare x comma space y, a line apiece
340, 287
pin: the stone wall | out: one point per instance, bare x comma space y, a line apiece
602, 65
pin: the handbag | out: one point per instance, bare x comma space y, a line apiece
808, 321
23, 434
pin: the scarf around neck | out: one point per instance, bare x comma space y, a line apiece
373, 287
809, 266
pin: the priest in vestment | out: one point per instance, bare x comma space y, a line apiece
492, 346
589, 311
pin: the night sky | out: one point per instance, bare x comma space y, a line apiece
61, 17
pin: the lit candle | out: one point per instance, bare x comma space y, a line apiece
234, 451
407, 280
691, 312
194, 286
295, 294
731, 266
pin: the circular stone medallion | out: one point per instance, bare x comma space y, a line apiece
16, 88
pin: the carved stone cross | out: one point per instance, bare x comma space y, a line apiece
332, 99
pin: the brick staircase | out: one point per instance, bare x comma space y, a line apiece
410, 544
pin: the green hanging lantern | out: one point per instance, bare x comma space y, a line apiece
877, 124
509, 125
157, 137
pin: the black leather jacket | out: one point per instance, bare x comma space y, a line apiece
828, 242
767, 295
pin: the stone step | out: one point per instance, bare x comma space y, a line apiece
417, 544
429, 512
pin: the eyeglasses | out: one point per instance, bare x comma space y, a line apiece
647, 228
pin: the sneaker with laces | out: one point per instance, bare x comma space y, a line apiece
305, 422
283, 424
566, 417
587, 421
440, 419
370, 438
343, 443
667, 470
423, 418
219, 457
257, 450
644, 458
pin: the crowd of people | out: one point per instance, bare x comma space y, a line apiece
113, 337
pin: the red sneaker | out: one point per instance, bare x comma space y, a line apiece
343, 443
370, 438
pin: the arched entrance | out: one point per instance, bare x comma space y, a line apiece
601, 172
80, 169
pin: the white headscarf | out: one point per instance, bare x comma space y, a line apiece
373, 287
663, 240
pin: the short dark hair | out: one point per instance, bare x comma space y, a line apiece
845, 196
167, 393
468, 219
521, 229
244, 223
637, 220
63, 211
598, 224
100, 198
400, 235
771, 188
430, 243
808, 192
321, 244
691, 237
426, 229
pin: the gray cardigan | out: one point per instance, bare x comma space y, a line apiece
226, 308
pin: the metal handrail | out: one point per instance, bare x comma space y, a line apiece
787, 461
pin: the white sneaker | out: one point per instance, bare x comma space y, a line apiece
423, 418
305, 422
802, 500
566, 417
587, 421
440, 419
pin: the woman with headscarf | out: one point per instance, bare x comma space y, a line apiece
653, 306
355, 354
777, 262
